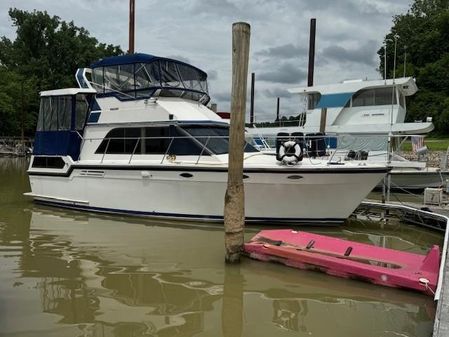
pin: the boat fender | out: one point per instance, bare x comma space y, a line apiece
286, 154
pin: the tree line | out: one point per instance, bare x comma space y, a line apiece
44, 55
422, 40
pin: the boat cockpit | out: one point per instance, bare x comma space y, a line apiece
62, 118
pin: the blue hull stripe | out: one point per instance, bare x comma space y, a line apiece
214, 218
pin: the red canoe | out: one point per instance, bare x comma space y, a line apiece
348, 259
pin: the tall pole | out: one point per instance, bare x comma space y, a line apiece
277, 109
405, 61
251, 113
311, 52
385, 62
132, 17
234, 207
22, 118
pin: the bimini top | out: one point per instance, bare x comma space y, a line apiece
138, 76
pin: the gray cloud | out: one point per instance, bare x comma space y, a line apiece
179, 58
212, 75
276, 92
216, 7
285, 51
222, 96
365, 54
286, 73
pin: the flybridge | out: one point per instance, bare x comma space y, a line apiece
140, 76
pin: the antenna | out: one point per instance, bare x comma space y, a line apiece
396, 37
405, 60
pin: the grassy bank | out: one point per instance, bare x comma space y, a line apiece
433, 144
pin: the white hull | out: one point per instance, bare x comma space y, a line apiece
416, 179
318, 196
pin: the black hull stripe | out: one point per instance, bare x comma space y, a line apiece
210, 169
205, 218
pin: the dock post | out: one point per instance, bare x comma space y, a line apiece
234, 205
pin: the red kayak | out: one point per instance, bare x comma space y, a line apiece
348, 259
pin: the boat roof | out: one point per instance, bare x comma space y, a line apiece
135, 58
67, 92
406, 84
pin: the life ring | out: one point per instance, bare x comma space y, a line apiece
285, 155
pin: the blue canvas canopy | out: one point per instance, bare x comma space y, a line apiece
137, 76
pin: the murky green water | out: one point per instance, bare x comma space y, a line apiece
65, 273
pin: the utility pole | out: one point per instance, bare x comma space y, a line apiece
234, 205
132, 16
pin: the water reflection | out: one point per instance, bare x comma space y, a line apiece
122, 278
68, 273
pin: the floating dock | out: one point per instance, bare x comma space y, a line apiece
348, 259
436, 219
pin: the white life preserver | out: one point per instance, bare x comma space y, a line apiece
290, 158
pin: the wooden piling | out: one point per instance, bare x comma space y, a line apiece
234, 208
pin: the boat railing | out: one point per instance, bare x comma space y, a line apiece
379, 147
201, 145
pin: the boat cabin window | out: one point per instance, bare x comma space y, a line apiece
214, 138
169, 139
81, 110
312, 100
141, 80
149, 140
56, 112
378, 96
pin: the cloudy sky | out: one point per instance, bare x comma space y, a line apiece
349, 33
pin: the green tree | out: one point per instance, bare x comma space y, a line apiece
422, 34
44, 55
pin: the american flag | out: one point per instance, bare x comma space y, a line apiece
417, 143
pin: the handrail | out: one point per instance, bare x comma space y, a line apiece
168, 149
134, 150
105, 150
202, 150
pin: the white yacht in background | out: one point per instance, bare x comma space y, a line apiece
137, 138
361, 115
356, 107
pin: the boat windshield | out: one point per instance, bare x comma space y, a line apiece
141, 76
215, 138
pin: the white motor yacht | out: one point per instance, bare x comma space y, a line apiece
361, 115
137, 138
